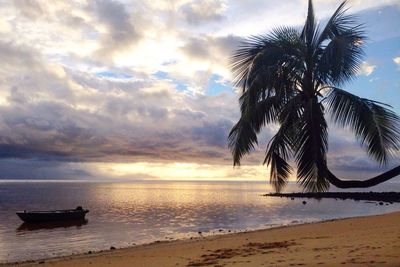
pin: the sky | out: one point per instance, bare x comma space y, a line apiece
135, 89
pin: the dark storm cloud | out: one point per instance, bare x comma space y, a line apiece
47, 133
213, 134
40, 169
348, 159
356, 164
76, 144
26, 152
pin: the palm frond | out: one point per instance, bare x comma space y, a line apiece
280, 171
262, 111
241, 140
337, 23
267, 69
261, 61
340, 49
278, 152
374, 125
280, 147
341, 58
254, 115
312, 144
309, 29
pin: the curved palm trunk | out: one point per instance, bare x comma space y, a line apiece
362, 184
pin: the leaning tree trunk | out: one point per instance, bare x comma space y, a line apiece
362, 184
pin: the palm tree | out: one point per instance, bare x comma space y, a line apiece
292, 78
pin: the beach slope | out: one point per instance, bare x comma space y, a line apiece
366, 241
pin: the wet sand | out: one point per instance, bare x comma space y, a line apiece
365, 241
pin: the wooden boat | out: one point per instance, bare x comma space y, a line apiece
52, 215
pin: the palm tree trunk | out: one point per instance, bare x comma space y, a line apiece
362, 184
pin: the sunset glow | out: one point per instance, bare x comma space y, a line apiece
143, 89
180, 171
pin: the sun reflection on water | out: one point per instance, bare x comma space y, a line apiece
122, 214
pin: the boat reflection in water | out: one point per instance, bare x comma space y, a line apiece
51, 225
52, 215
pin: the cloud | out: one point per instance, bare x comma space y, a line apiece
44, 170
366, 68
29, 8
397, 60
89, 83
120, 33
198, 12
203, 57
209, 47
84, 117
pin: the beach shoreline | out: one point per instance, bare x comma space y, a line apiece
369, 240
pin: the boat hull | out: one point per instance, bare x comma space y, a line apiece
51, 216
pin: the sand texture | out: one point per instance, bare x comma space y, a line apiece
366, 241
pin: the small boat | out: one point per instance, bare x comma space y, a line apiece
52, 215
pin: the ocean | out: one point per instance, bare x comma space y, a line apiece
131, 213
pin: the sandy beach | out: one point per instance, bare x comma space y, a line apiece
364, 241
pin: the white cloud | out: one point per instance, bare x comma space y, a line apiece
397, 60
366, 68
5, 26
197, 12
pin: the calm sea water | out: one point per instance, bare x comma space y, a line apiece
124, 214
